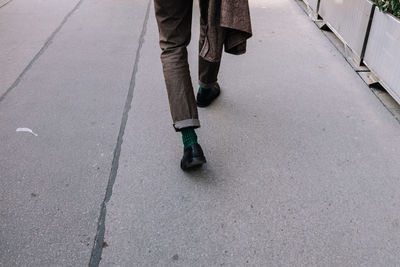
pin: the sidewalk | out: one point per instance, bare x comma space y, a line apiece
302, 168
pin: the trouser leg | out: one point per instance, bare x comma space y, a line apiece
208, 71
174, 19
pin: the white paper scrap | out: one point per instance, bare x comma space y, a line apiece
26, 130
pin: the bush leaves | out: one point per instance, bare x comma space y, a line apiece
390, 6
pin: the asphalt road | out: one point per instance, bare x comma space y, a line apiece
303, 159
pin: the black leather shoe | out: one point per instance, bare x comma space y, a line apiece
192, 156
207, 96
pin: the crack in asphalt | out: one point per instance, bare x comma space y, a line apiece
41, 51
97, 249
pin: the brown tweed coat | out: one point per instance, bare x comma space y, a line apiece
228, 26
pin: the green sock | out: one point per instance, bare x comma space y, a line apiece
201, 90
189, 137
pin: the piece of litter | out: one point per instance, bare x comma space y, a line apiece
26, 130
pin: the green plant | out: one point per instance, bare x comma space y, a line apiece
391, 6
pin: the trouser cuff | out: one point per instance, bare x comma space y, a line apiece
179, 125
208, 85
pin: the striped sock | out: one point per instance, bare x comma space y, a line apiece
189, 137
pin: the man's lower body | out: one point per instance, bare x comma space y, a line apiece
174, 19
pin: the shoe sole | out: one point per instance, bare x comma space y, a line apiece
196, 162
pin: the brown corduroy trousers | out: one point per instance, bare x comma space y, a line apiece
174, 19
